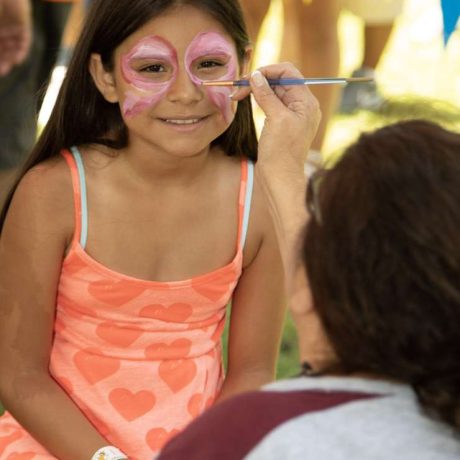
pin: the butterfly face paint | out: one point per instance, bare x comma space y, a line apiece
211, 57
152, 65
149, 68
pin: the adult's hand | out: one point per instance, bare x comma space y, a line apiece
292, 118
15, 33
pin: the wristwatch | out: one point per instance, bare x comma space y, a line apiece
109, 453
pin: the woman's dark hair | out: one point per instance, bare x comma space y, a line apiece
81, 114
383, 260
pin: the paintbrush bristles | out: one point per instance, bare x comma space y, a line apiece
218, 83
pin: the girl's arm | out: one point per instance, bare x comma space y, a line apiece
32, 246
258, 306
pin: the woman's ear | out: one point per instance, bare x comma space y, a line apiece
104, 80
246, 65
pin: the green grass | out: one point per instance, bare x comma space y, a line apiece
288, 362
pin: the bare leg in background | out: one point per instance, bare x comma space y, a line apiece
311, 42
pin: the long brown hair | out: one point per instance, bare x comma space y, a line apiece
82, 116
383, 260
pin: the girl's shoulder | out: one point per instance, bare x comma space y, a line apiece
51, 177
45, 192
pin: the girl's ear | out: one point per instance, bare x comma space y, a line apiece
103, 79
246, 66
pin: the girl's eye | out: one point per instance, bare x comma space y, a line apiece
153, 68
155, 71
211, 68
210, 63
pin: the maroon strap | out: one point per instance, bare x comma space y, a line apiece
232, 428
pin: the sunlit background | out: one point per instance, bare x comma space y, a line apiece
415, 63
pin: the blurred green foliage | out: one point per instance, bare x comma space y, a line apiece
288, 361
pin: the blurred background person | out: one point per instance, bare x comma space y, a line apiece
378, 18
310, 41
30, 39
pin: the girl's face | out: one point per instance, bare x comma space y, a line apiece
157, 80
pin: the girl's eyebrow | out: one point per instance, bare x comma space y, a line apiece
213, 47
141, 56
151, 46
205, 51
145, 52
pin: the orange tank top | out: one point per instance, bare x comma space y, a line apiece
140, 358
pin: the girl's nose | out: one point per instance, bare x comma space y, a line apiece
184, 90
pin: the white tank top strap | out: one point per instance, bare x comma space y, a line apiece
83, 203
247, 201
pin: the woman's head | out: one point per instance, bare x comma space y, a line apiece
382, 252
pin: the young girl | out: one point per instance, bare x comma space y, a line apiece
135, 222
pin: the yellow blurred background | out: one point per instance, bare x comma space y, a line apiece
415, 63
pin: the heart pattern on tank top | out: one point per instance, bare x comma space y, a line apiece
8, 439
177, 312
94, 366
158, 437
132, 405
177, 374
117, 334
177, 349
115, 293
140, 359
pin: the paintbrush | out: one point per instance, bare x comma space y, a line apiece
291, 81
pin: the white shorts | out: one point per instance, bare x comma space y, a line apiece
374, 11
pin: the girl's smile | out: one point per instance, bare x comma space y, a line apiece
184, 125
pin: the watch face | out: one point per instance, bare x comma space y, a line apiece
109, 453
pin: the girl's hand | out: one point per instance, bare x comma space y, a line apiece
292, 118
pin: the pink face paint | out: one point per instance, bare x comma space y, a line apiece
154, 50
214, 45
146, 92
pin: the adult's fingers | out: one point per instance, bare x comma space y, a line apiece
289, 100
264, 95
274, 71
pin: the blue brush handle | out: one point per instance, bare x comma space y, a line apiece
294, 81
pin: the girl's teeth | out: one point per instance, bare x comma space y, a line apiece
183, 122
